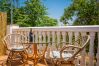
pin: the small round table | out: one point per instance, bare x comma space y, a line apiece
35, 55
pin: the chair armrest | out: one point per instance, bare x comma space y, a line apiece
73, 46
67, 46
5, 45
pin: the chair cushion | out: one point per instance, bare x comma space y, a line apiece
66, 55
56, 54
17, 47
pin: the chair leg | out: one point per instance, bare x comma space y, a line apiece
23, 58
53, 62
58, 63
4, 64
72, 64
45, 62
9, 59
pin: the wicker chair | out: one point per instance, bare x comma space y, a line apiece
16, 48
69, 52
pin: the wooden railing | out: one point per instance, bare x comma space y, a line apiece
66, 34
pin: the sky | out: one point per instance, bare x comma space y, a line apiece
56, 7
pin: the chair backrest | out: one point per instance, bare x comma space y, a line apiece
86, 40
76, 49
14, 40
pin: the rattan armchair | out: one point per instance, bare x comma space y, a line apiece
69, 52
16, 48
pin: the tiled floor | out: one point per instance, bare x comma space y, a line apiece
30, 63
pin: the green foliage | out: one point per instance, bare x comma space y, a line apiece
20, 18
87, 12
36, 10
31, 14
47, 21
5, 7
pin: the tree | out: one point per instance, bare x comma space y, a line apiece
47, 21
33, 13
5, 6
36, 10
20, 17
86, 11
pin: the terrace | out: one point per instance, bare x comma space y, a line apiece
54, 37
58, 34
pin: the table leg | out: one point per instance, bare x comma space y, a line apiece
35, 54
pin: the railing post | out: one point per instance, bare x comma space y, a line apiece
97, 56
53, 36
76, 36
70, 37
83, 54
49, 45
91, 49
53, 40
58, 37
64, 38
48, 35
40, 36
44, 36
36, 36
12, 27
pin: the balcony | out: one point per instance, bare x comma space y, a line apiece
66, 34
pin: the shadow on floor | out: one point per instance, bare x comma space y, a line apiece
17, 63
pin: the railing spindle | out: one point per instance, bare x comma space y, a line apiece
97, 56
91, 49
